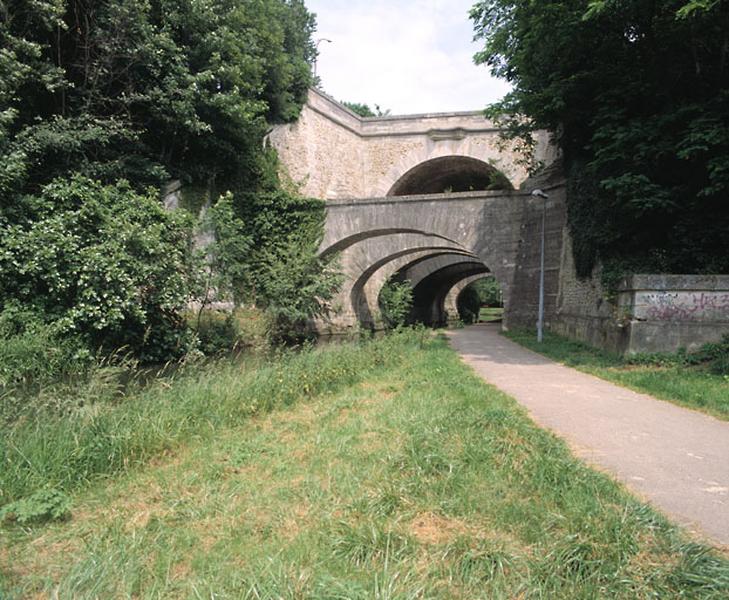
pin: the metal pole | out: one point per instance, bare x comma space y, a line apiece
540, 318
540, 322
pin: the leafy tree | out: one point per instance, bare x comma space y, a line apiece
638, 95
488, 290
469, 305
99, 101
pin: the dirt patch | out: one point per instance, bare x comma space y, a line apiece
295, 522
303, 413
180, 571
429, 528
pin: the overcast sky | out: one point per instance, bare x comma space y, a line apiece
409, 56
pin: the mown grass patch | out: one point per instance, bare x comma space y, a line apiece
418, 481
684, 379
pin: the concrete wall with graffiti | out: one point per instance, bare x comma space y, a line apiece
663, 313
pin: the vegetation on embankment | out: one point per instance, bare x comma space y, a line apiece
93, 431
699, 380
637, 95
102, 104
387, 470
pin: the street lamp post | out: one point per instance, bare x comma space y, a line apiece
316, 58
540, 318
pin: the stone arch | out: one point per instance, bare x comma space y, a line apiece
448, 174
364, 291
424, 267
430, 293
405, 265
466, 148
378, 236
451, 300
331, 244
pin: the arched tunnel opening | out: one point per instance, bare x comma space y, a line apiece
479, 299
436, 290
424, 276
450, 174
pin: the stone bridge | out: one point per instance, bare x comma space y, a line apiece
438, 200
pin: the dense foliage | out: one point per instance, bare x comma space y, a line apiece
638, 94
396, 303
100, 262
101, 104
480, 293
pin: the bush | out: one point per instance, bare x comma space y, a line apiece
469, 305
716, 355
396, 302
40, 507
216, 332
101, 263
33, 353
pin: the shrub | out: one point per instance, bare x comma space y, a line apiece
101, 263
469, 305
40, 507
716, 355
216, 332
396, 302
34, 353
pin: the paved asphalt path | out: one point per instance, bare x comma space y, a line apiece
675, 458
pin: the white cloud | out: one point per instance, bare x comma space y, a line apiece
410, 57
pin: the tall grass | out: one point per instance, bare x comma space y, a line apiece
100, 439
420, 481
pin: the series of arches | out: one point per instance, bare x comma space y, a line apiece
445, 223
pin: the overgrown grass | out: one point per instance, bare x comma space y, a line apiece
408, 479
65, 451
688, 380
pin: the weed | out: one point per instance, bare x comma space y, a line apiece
40, 507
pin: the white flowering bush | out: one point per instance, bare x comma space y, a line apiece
102, 263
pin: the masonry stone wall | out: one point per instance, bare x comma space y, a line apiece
499, 229
652, 313
332, 153
583, 311
668, 312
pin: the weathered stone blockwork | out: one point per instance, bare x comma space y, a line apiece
498, 230
652, 313
434, 240
332, 153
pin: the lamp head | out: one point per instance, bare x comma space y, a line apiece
540, 194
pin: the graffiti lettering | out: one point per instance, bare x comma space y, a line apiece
685, 306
